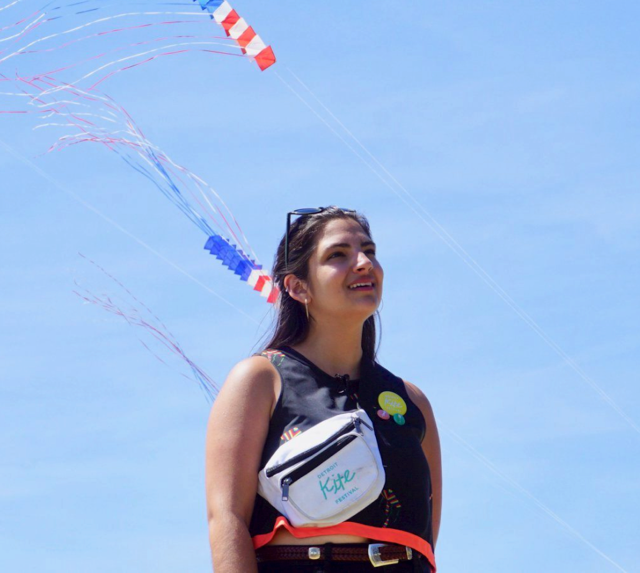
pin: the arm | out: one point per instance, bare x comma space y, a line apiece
236, 433
431, 449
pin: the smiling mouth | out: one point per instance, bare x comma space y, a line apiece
362, 286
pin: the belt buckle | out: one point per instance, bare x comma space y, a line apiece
376, 559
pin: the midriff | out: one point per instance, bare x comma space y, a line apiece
283, 537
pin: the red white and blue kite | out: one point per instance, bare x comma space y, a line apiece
64, 95
238, 29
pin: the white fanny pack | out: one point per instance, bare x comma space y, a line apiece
327, 474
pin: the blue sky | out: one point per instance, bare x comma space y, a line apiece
514, 125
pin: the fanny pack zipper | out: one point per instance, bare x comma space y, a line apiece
312, 463
353, 423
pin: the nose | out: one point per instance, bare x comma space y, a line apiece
363, 262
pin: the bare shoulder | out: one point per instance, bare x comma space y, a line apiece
254, 381
254, 375
245, 402
419, 399
251, 372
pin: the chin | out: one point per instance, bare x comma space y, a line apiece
362, 310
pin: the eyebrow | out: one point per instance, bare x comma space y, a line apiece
346, 245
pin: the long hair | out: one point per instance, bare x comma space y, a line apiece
291, 325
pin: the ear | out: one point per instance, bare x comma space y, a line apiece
297, 288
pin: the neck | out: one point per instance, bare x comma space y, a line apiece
334, 346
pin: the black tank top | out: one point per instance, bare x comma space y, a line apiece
309, 395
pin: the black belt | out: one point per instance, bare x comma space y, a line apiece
379, 554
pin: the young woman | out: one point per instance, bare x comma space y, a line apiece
320, 363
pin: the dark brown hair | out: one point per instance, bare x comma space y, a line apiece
291, 325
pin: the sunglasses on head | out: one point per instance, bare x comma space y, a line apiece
300, 212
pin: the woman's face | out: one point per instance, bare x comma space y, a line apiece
344, 256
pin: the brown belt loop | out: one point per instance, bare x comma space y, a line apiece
328, 557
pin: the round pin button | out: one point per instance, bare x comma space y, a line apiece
399, 419
384, 415
392, 403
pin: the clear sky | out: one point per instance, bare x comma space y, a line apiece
513, 127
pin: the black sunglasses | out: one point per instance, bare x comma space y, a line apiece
299, 212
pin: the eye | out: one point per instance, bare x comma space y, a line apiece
338, 253
372, 251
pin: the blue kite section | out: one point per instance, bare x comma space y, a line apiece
210, 5
238, 262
